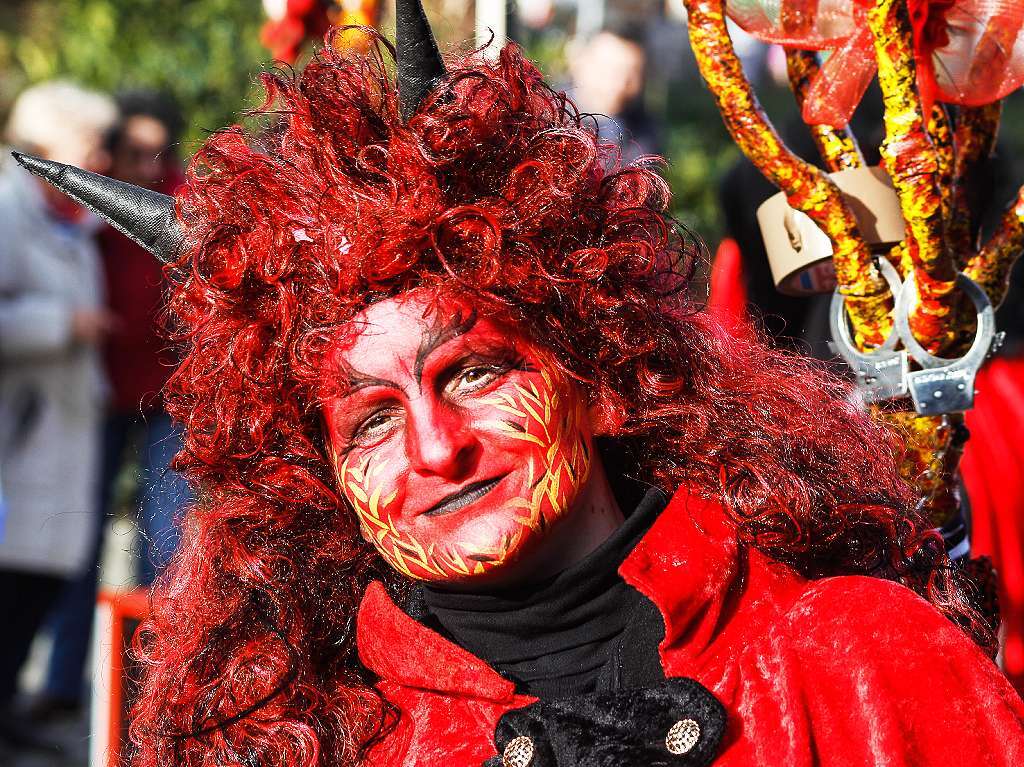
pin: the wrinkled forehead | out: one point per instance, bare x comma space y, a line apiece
402, 332
401, 321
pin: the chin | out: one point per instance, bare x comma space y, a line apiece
512, 568
528, 557
495, 540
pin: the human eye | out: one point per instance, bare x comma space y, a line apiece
472, 378
375, 427
476, 374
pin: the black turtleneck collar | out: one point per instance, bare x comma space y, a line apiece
582, 630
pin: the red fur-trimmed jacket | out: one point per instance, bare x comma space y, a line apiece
840, 671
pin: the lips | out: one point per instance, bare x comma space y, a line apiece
467, 495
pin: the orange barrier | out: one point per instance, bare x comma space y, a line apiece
115, 674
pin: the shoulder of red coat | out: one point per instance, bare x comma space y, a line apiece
884, 650
860, 596
858, 611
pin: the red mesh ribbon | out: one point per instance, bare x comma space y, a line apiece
969, 52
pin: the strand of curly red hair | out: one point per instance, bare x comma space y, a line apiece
499, 190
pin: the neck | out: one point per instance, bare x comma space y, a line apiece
561, 634
576, 535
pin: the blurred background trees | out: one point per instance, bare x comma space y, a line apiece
204, 52
207, 53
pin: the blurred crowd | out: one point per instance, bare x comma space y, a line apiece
82, 362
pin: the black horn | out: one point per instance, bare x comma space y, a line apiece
146, 216
417, 60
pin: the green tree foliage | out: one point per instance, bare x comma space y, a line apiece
207, 54
204, 52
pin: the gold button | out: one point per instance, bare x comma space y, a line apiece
518, 752
682, 737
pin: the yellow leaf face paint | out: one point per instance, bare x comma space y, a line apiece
455, 442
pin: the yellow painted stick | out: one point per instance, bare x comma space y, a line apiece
940, 130
837, 146
914, 166
990, 268
975, 139
934, 444
807, 188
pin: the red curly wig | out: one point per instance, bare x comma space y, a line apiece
499, 190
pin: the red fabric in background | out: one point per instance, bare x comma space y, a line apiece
993, 471
135, 353
727, 297
840, 672
968, 52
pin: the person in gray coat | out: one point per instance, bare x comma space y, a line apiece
51, 382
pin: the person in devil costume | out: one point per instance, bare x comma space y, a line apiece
479, 483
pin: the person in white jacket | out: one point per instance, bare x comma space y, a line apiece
51, 383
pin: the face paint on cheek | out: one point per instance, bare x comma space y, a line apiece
399, 548
364, 487
541, 421
548, 420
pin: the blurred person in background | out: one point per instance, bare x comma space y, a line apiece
52, 322
608, 75
136, 429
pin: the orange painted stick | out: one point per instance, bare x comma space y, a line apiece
807, 188
913, 164
975, 139
837, 146
990, 268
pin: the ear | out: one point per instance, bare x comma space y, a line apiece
606, 414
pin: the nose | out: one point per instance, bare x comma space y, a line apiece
440, 442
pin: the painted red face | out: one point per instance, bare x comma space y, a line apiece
454, 441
